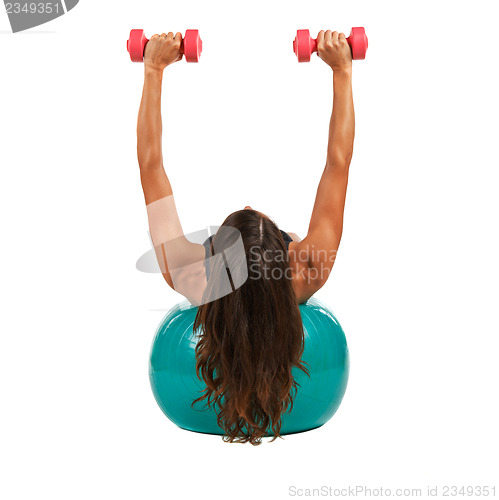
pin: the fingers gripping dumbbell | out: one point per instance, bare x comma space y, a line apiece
191, 45
304, 45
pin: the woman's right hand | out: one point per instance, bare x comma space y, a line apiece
163, 50
333, 49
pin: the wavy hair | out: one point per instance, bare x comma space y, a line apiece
251, 338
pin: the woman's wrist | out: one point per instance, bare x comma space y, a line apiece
343, 72
153, 71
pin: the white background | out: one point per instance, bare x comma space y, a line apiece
414, 286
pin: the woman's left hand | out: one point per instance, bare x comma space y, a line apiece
163, 50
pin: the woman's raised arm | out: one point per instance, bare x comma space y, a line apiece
160, 52
326, 224
180, 261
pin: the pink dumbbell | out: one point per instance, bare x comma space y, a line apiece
304, 45
191, 45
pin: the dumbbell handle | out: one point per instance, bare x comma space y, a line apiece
146, 41
313, 44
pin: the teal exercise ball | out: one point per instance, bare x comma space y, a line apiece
175, 384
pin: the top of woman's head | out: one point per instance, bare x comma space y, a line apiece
256, 229
247, 247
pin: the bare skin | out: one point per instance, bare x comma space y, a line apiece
312, 258
161, 51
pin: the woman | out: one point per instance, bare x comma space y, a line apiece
249, 278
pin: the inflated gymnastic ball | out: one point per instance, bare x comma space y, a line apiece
175, 384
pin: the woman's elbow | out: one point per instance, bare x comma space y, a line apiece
339, 160
150, 160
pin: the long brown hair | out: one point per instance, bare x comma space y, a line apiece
250, 339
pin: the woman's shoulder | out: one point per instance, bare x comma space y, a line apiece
304, 284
